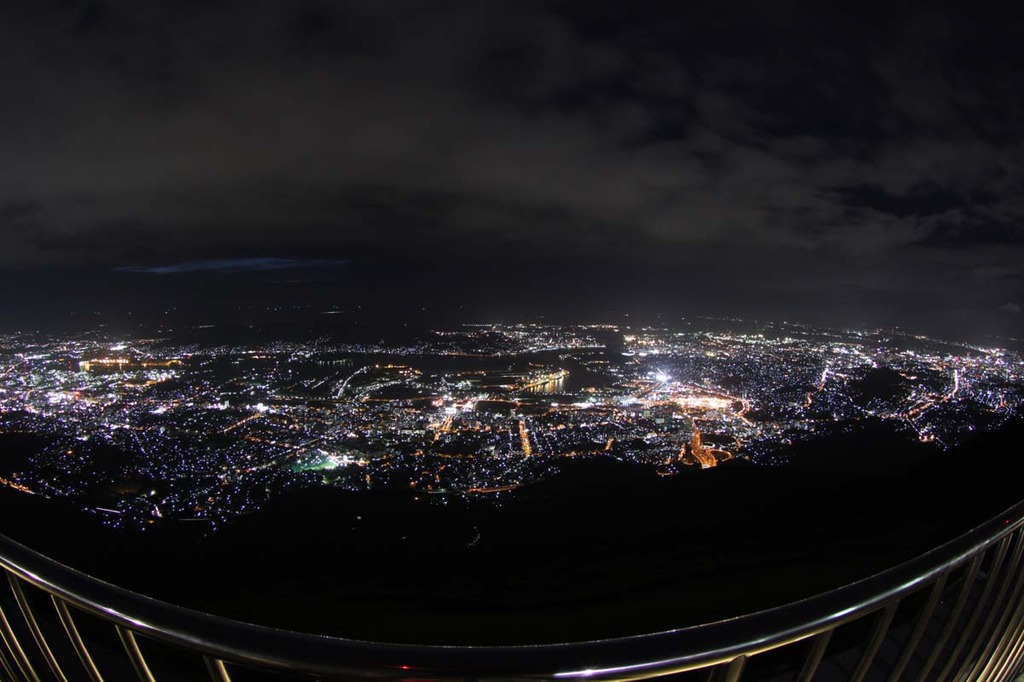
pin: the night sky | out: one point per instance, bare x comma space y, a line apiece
763, 159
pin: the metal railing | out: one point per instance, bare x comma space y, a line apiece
955, 613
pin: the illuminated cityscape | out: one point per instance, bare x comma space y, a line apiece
136, 430
566, 322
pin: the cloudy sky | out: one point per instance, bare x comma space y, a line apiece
756, 158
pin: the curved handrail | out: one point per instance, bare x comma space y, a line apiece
638, 656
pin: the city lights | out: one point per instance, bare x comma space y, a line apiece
210, 432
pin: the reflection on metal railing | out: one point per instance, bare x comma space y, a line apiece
953, 614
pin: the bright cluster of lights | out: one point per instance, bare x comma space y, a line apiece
703, 402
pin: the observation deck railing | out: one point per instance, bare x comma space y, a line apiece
955, 613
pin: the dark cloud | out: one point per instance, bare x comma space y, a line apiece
960, 229
233, 265
875, 145
17, 210
921, 200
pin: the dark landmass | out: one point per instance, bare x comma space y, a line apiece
600, 549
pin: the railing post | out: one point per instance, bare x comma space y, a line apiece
878, 633
218, 671
986, 640
728, 672
135, 654
33, 626
11, 643
953, 617
1015, 664
1011, 659
64, 613
1009, 656
966, 636
989, 657
814, 656
6, 667
920, 625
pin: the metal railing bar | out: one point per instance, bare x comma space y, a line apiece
1011, 657
625, 657
999, 634
10, 639
218, 671
34, 629
979, 608
1015, 664
1015, 660
1005, 657
7, 657
953, 617
814, 656
131, 646
985, 641
734, 670
878, 633
920, 625
670, 651
729, 671
5, 665
64, 613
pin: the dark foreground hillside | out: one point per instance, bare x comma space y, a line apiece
603, 548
